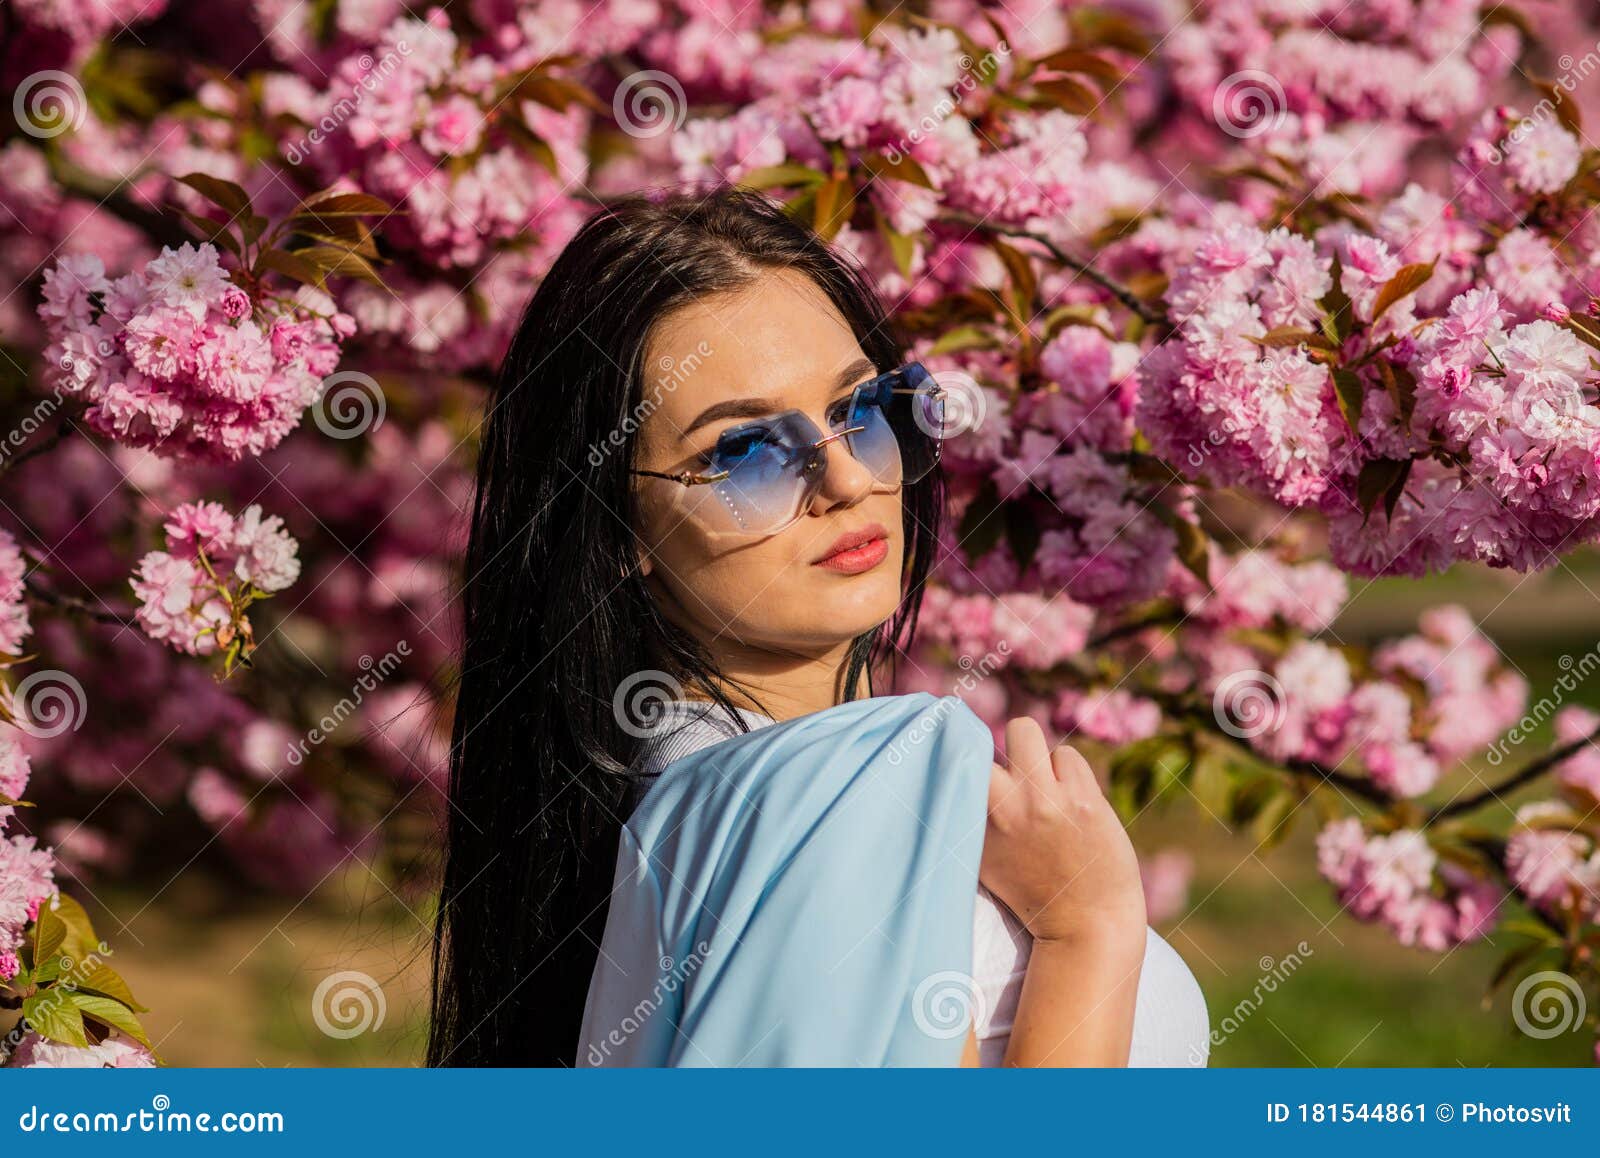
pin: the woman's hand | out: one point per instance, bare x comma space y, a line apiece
1055, 851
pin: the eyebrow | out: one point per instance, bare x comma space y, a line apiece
760, 407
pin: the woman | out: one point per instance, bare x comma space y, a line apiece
706, 468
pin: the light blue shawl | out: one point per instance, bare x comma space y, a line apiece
788, 897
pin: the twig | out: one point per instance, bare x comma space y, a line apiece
1115, 288
1529, 772
54, 439
75, 605
1134, 627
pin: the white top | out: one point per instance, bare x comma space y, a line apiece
1170, 1027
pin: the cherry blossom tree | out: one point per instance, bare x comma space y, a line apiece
1230, 306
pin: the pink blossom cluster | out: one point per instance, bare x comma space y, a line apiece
1331, 61
63, 31
1554, 861
27, 872
1510, 162
1221, 406
179, 358
1399, 880
1429, 699
1259, 588
116, 1052
14, 624
432, 131
1030, 630
191, 595
1499, 441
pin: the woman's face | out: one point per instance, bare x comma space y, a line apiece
719, 363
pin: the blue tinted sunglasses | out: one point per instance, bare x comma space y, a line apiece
763, 475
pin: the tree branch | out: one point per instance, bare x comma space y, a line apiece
44, 446
1529, 772
75, 605
1115, 288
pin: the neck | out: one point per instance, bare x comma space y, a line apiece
783, 686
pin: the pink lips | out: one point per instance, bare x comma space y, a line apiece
856, 551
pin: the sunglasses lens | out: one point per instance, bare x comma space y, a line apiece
772, 473
901, 414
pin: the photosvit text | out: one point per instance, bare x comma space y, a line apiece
1467, 1113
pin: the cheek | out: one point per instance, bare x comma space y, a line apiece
767, 591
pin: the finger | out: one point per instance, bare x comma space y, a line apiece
1001, 784
1026, 750
1070, 766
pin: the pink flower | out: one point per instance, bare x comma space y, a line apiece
1542, 156
452, 128
14, 623
235, 303
35, 1052
178, 604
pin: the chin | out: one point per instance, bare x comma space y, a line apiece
849, 605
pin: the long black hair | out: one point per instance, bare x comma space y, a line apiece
556, 615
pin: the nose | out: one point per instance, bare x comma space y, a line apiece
845, 481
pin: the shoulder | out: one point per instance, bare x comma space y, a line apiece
916, 747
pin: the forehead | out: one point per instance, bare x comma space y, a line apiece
779, 338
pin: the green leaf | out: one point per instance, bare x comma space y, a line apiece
1349, 389
53, 1016
1021, 278
343, 205
1077, 314
1023, 534
836, 201
1383, 478
1099, 27
341, 262
776, 176
903, 168
1509, 964
106, 981
49, 934
1078, 60
963, 338
1274, 820
216, 232
902, 246
290, 265
111, 1013
1281, 336
1211, 783
1338, 312
1068, 95
1566, 111
1194, 545
76, 918
227, 196
980, 528
1408, 280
